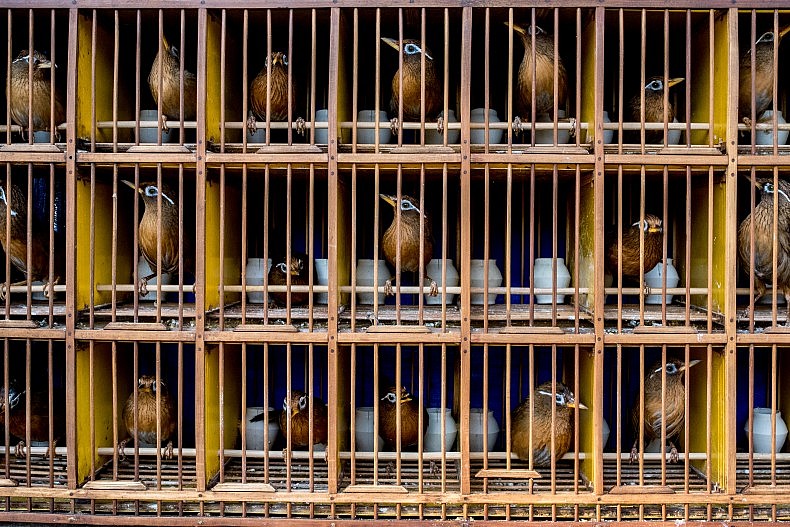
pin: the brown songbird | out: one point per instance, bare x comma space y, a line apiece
171, 85
39, 417
653, 229
298, 407
412, 54
16, 244
544, 73
654, 107
675, 407
147, 417
409, 418
763, 78
763, 218
19, 85
278, 275
147, 231
541, 416
409, 239
278, 105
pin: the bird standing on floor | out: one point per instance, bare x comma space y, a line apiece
278, 104
654, 107
171, 85
39, 418
14, 242
763, 78
409, 239
19, 86
147, 415
763, 218
564, 402
544, 73
298, 407
653, 229
411, 52
147, 231
409, 418
674, 410
278, 275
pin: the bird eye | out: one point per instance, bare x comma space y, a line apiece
671, 369
174, 51
645, 226
151, 191
285, 404
303, 402
406, 205
560, 399
391, 398
285, 60
411, 49
655, 85
768, 187
282, 267
767, 37
536, 30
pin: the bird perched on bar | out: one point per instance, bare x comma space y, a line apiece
39, 417
171, 85
654, 107
544, 73
412, 52
543, 401
147, 231
652, 227
19, 97
277, 63
763, 78
298, 406
409, 239
674, 409
278, 275
13, 237
147, 415
409, 418
762, 218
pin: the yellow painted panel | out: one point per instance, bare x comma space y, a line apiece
231, 396
104, 68
587, 396
213, 47
586, 239
700, 94
700, 267
232, 252
698, 407
231, 399
587, 81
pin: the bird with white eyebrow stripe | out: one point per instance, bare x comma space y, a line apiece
18, 92
148, 231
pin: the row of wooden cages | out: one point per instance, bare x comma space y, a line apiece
290, 360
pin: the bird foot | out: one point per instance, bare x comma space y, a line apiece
440, 124
747, 121
19, 450
49, 287
165, 129
252, 125
388, 291
517, 124
673, 454
51, 450
301, 128
434, 288
433, 468
167, 451
572, 122
143, 287
394, 125
634, 454
122, 449
3, 290
389, 468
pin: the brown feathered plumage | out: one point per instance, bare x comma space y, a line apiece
675, 407
654, 107
764, 75
171, 84
16, 244
19, 96
409, 238
278, 275
412, 53
298, 407
278, 105
147, 232
544, 73
39, 417
147, 416
564, 402
409, 418
763, 218
653, 230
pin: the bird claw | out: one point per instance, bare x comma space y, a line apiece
51, 450
301, 128
388, 291
122, 450
517, 124
634, 454
433, 469
167, 451
143, 287
394, 125
389, 468
49, 287
165, 128
747, 121
674, 457
572, 122
19, 450
434, 288
440, 124
252, 125
3, 290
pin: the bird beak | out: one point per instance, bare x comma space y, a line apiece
516, 28
405, 400
164, 42
580, 406
294, 272
131, 185
45, 64
392, 42
389, 199
690, 364
783, 32
294, 412
655, 229
672, 82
